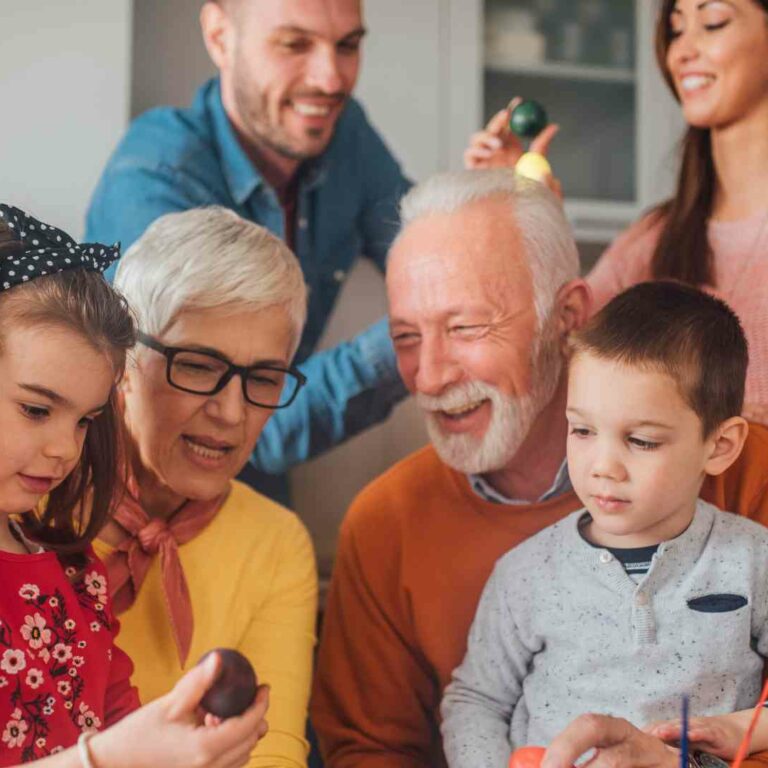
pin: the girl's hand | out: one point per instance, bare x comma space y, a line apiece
496, 146
173, 732
720, 736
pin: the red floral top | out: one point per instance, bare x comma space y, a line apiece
60, 671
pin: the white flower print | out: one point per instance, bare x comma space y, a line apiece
35, 631
45, 655
96, 585
13, 661
87, 719
72, 672
29, 591
69, 624
62, 652
70, 571
67, 705
78, 661
82, 644
15, 730
98, 606
53, 602
64, 687
3, 681
34, 678
95, 626
40, 742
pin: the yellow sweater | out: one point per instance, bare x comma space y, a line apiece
252, 577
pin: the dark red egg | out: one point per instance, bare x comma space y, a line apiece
234, 689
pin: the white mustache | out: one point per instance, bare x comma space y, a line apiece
458, 396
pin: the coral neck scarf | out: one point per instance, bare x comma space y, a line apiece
128, 565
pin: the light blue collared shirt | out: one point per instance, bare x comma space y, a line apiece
347, 206
561, 485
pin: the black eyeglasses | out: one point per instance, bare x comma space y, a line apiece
206, 373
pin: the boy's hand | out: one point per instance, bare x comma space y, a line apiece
719, 736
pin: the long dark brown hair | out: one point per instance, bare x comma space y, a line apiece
683, 251
85, 303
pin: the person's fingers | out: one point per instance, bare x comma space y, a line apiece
237, 755
472, 163
474, 160
583, 733
557, 187
486, 140
666, 730
499, 123
542, 141
185, 696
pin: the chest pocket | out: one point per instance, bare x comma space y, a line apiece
717, 603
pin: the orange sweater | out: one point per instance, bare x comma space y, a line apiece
415, 551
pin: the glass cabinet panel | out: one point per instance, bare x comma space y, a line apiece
576, 57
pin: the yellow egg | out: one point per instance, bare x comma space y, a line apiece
534, 166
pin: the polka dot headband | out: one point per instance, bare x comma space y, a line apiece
38, 249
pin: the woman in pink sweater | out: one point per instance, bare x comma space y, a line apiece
714, 231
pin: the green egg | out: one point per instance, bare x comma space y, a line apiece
528, 119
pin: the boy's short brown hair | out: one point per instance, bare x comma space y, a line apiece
681, 331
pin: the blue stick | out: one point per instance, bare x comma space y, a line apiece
684, 736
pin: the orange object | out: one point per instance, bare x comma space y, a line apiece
744, 746
527, 757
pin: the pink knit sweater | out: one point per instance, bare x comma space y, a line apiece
741, 275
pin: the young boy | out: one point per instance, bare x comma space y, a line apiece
648, 592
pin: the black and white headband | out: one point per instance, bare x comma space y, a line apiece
38, 249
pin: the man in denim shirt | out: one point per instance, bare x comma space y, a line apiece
278, 139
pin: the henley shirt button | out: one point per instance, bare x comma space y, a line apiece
605, 557
339, 275
641, 599
303, 222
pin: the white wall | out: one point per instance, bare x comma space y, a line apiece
64, 69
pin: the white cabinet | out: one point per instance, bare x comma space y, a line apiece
591, 63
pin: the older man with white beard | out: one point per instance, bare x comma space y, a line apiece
483, 291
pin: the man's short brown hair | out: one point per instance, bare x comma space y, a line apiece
681, 331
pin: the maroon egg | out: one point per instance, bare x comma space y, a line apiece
234, 689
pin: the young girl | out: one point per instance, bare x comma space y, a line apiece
64, 334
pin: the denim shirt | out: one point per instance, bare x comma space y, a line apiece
176, 159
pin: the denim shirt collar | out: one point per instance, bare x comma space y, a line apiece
560, 485
242, 176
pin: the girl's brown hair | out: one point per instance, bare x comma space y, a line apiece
683, 251
85, 303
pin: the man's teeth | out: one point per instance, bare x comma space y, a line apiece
462, 409
692, 82
205, 451
311, 110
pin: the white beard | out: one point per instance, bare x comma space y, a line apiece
511, 417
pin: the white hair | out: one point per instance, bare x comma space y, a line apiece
549, 245
209, 258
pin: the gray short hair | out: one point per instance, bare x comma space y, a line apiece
206, 258
549, 244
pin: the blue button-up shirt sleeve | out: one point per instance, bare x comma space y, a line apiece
385, 185
350, 387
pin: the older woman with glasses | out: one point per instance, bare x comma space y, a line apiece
196, 559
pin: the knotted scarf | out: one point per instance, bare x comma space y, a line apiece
147, 537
